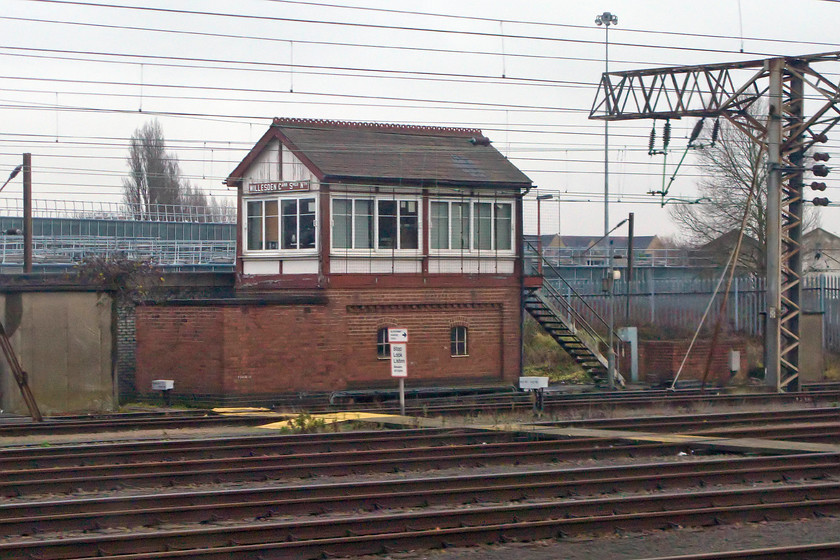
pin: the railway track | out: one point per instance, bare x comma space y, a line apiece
24, 481
90, 514
393, 531
486, 404
820, 551
31, 457
148, 498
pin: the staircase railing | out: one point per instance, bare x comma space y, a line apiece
579, 320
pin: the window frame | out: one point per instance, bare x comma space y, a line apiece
279, 200
459, 345
375, 249
383, 347
473, 221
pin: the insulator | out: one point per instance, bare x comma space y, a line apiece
820, 170
817, 186
715, 130
821, 156
698, 128
652, 140
666, 135
820, 201
821, 138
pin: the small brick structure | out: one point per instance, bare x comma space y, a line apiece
659, 360
314, 342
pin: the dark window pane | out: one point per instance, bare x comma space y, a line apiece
408, 224
387, 224
383, 348
307, 223
290, 224
458, 341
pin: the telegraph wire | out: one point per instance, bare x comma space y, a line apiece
402, 27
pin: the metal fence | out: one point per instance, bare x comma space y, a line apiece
102, 210
680, 304
173, 254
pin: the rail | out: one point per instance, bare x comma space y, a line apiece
567, 306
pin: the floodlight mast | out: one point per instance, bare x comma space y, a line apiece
730, 90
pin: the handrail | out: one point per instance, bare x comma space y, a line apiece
571, 289
580, 320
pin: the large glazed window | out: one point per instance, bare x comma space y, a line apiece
471, 226
262, 225
284, 224
380, 224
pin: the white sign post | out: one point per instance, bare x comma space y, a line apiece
398, 340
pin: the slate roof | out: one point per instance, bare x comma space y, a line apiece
391, 153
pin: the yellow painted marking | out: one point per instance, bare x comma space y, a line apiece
330, 418
410, 421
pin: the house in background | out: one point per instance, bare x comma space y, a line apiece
347, 230
821, 252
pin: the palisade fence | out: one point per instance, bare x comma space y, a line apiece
680, 304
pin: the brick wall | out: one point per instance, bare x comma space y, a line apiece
659, 360
275, 348
125, 333
175, 285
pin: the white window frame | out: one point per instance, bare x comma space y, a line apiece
375, 250
473, 249
279, 251
456, 342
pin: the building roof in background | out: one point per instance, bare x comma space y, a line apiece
391, 153
618, 242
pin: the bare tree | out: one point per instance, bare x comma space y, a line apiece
729, 168
155, 189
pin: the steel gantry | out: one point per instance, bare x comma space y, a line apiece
784, 85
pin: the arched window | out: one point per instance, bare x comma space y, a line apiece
383, 348
458, 341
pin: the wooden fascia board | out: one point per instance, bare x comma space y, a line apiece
423, 183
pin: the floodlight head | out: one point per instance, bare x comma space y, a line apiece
544, 196
607, 19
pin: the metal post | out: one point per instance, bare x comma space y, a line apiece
539, 238
27, 212
540, 198
772, 337
402, 396
630, 220
611, 350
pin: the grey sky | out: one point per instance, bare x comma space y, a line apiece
78, 80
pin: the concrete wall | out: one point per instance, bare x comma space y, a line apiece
811, 351
63, 339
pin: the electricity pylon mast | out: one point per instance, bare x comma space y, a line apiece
728, 90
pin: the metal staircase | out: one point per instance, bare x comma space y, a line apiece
566, 325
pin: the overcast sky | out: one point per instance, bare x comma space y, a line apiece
78, 78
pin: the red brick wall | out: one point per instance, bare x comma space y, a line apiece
181, 343
659, 360
276, 348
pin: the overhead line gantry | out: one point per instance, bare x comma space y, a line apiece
730, 90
